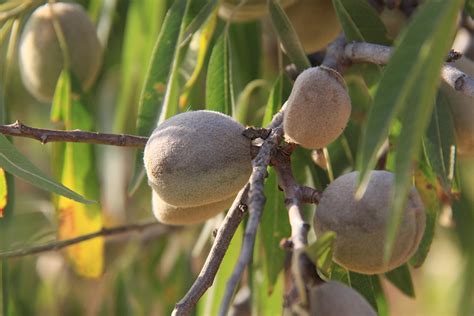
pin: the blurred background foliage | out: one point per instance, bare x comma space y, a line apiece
162, 57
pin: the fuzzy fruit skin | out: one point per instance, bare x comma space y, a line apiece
197, 158
318, 108
41, 58
336, 299
252, 10
174, 215
361, 225
462, 109
315, 22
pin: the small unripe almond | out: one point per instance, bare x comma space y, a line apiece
336, 299
462, 109
197, 158
315, 22
250, 11
318, 108
174, 215
361, 225
41, 57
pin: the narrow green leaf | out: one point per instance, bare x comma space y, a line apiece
320, 252
274, 102
198, 21
409, 83
363, 284
382, 304
218, 91
15, 163
360, 21
156, 83
401, 278
439, 142
275, 217
421, 49
338, 273
288, 36
469, 7
427, 184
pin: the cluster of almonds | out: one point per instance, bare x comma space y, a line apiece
196, 162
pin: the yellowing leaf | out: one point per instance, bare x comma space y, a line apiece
76, 219
3, 192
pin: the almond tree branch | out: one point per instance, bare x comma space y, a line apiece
256, 203
303, 270
76, 136
380, 55
60, 244
214, 259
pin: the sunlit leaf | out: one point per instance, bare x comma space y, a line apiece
205, 36
3, 192
401, 278
287, 35
408, 85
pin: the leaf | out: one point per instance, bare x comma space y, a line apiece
5, 286
439, 142
156, 83
360, 21
321, 251
3, 192
274, 102
469, 7
205, 38
218, 90
427, 186
207, 13
12, 161
142, 27
382, 304
275, 217
287, 35
210, 302
401, 278
363, 284
409, 82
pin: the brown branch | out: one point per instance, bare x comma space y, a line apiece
60, 244
214, 259
303, 270
76, 136
380, 55
256, 204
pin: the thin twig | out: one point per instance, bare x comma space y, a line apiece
76, 136
60, 244
214, 259
256, 204
380, 55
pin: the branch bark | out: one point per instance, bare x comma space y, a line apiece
256, 204
214, 259
60, 244
76, 136
380, 55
